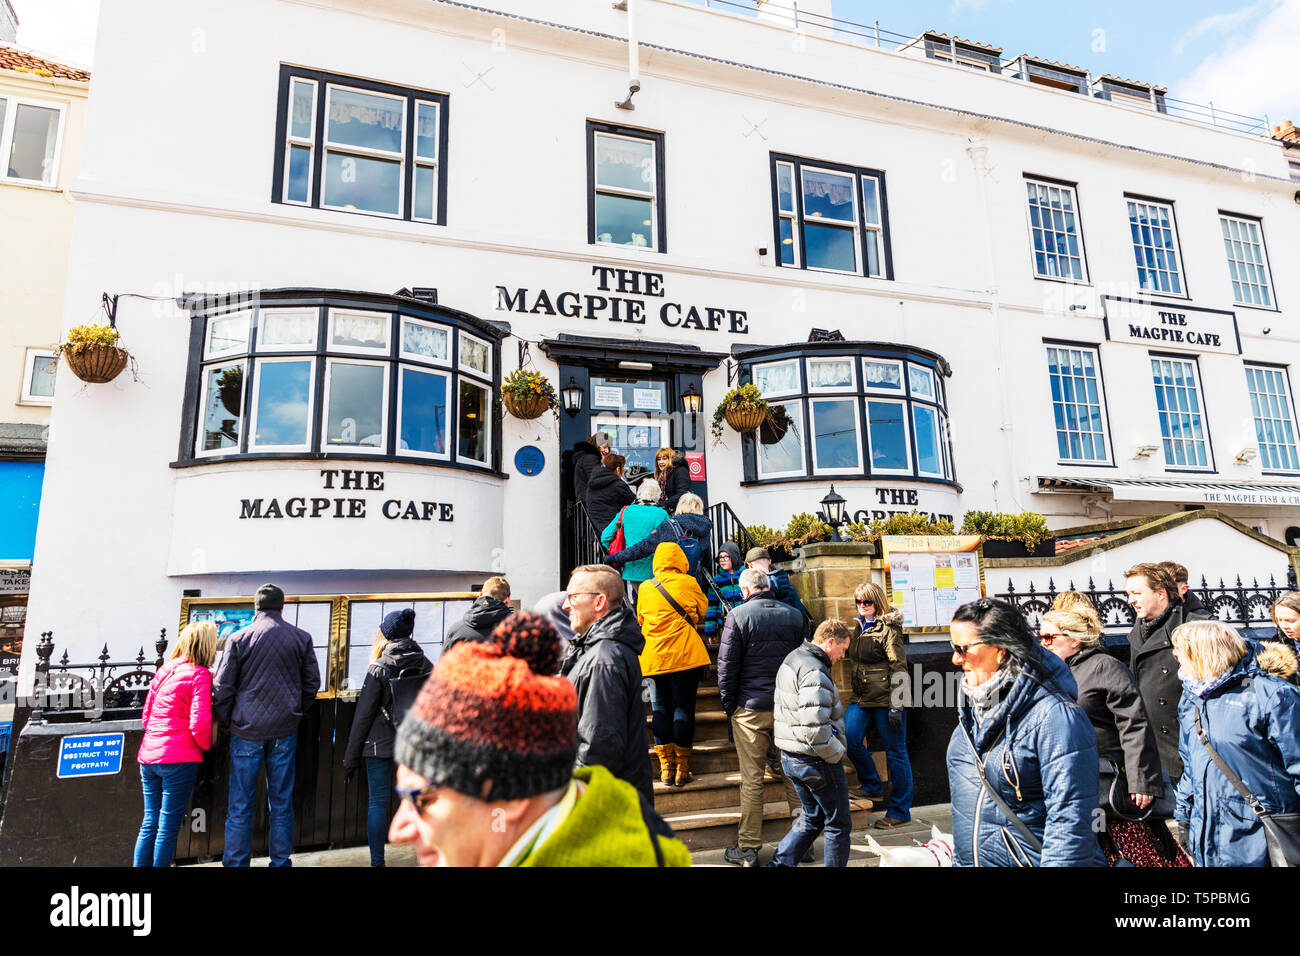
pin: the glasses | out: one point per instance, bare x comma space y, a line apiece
959, 650
865, 603
1047, 638
570, 595
420, 798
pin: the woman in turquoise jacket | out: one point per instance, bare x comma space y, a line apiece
639, 522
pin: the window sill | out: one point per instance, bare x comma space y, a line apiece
1257, 308
1081, 283
340, 211
369, 460
823, 479
31, 184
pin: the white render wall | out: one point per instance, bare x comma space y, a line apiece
176, 197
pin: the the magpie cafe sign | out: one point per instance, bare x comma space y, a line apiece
628, 296
340, 501
1171, 326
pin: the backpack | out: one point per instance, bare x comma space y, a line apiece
402, 691
692, 546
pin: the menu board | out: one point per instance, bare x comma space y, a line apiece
929, 576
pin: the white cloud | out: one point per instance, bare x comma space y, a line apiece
1222, 23
62, 29
1250, 73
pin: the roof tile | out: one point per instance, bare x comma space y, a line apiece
15, 58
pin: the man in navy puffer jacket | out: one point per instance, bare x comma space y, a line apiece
1038, 749
266, 680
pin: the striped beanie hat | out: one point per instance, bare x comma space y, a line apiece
491, 711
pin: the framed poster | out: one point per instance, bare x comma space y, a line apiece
928, 577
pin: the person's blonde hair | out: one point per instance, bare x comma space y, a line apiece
1208, 649
608, 581
870, 591
378, 646
1079, 622
197, 643
1074, 601
690, 504
496, 587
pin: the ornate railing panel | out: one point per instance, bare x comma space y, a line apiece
102, 685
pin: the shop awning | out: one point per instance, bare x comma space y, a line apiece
1185, 492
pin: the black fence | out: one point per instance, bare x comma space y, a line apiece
96, 688
1240, 604
727, 527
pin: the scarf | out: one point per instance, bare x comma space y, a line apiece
985, 698
1203, 688
1150, 627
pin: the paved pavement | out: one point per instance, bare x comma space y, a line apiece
860, 855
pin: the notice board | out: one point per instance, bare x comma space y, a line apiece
929, 576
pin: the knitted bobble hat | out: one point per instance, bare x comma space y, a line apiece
398, 624
490, 711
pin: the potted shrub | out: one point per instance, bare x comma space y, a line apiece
775, 425
1023, 535
914, 522
230, 386
527, 394
744, 408
778, 546
93, 353
805, 528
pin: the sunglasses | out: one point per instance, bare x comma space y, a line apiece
959, 650
420, 798
865, 603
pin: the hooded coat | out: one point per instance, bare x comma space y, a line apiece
879, 661
604, 667
639, 521
1040, 755
1109, 696
586, 459
675, 483
477, 624
698, 527
607, 493
1253, 720
671, 641
372, 733
725, 593
1153, 665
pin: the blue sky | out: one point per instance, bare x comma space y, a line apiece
1239, 53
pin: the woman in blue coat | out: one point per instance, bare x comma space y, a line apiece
1251, 716
1019, 725
639, 522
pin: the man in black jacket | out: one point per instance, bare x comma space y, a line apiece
757, 636
265, 681
1154, 595
603, 664
490, 608
607, 492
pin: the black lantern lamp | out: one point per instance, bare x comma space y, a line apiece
833, 509
571, 397
691, 400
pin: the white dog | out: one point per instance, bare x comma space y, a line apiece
938, 852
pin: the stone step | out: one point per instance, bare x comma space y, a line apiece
710, 790
718, 755
715, 828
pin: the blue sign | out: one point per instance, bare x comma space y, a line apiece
529, 460
91, 755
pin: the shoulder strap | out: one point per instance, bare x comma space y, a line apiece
669, 598
1233, 779
620, 517
1001, 804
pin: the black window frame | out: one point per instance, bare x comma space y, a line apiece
324, 302
857, 173
412, 96
660, 200
749, 356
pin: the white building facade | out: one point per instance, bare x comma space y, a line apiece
1033, 298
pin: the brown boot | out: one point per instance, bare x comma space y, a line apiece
684, 775
667, 763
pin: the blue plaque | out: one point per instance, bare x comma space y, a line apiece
530, 460
90, 755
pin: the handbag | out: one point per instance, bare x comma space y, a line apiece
619, 541
1113, 795
1281, 830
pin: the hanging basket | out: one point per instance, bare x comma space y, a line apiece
745, 418
525, 406
96, 364
771, 431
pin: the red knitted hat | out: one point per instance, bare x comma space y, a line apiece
490, 711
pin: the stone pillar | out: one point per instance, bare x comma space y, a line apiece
825, 577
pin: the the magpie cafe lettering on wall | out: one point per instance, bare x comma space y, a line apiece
887, 502
336, 505
628, 296
1171, 326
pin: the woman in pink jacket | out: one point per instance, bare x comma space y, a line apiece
177, 725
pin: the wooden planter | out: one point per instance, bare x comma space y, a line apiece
96, 364
771, 432
745, 418
994, 548
526, 406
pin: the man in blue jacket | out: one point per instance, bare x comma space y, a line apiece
778, 581
265, 681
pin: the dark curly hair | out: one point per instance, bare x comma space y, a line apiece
1001, 625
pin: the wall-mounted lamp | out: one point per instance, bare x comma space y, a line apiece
1145, 451
691, 400
1247, 455
571, 397
833, 509
636, 366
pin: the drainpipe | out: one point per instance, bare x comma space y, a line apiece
633, 64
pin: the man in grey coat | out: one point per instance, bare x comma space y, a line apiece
808, 724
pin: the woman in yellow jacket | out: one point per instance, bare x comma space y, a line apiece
674, 658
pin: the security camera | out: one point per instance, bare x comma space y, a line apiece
762, 250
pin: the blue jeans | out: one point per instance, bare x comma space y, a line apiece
672, 706
167, 788
246, 758
379, 780
856, 721
824, 794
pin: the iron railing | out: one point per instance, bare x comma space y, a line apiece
727, 527
92, 688
1240, 604
587, 548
